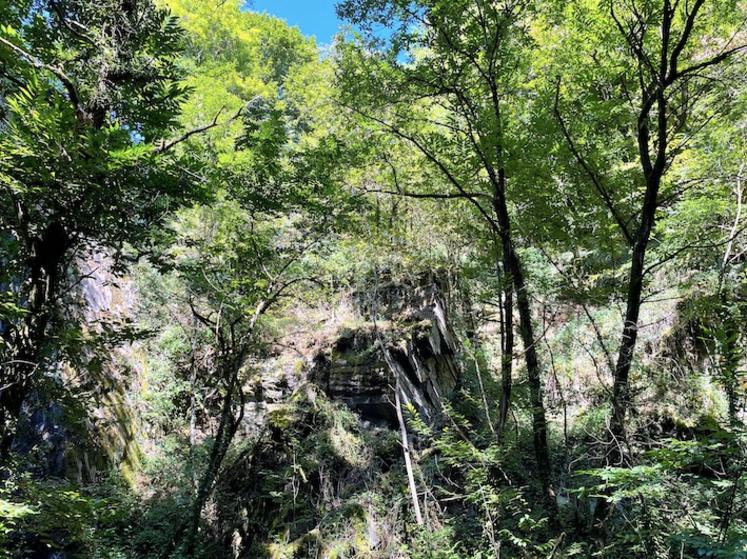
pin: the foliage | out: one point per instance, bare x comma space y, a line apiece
693, 487
198, 208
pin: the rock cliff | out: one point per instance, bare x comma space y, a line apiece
403, 336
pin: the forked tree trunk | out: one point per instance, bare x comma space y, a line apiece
661, 76
653, 173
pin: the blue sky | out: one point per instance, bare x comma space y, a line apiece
313, 17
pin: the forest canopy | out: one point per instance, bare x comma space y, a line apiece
469, 282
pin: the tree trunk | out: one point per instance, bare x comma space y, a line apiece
507, 340
227, 428
406, 449
653, 174
731, 355
621, 389
27, 340
526, 330
534, 374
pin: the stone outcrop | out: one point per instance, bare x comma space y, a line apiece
404, 337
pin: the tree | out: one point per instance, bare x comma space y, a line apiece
449, 84
233, 265
656, 89
273, 171
89, 89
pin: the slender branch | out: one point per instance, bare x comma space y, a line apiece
58, 72
166, 146
630, 38
432, 195
592, 175
734, 227
686, 32
430, 157
75, 27
710, 62
206, 321
689, 246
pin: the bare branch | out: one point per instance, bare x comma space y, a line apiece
430, 157
732, 236
686, 32
206, 321
710, 62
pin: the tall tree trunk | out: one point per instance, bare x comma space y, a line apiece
653, 173
621, 389
227, 428
526, 330
534, 374
507, 339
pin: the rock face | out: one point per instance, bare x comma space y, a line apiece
404, 339
64, 445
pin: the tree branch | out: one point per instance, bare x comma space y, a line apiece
426, 195
58, 72
686, 32
716, 244
166, 146
430, 157
585, 166
710, 62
